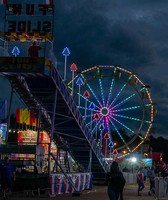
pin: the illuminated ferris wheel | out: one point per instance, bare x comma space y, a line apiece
116, 106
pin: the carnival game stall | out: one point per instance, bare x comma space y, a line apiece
30, 156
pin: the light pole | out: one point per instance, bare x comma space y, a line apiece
65, 53
133, 160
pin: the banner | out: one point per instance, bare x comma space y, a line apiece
29, 137
3, 109
3, 129
60, 185
22, 65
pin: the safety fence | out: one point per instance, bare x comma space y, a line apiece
61, 185
130, 177
161, 187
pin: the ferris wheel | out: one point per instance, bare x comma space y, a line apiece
116, 106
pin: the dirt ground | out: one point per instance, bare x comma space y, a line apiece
97, 193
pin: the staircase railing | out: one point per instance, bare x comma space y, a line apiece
78, 117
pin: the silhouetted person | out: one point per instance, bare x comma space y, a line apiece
33, 50
7, 176
115, 181
151, 175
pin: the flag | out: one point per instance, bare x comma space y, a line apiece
48, 2
3, 1
17, 114
33, 120
3, 109
24, 116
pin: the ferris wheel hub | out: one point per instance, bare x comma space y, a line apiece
104, 111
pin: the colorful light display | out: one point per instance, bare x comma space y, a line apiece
122, 103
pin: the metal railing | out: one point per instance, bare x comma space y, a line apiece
77, 115
161, 187
16, 49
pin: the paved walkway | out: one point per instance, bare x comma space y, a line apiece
97, 193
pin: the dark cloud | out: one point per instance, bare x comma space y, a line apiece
102, 34
131, 34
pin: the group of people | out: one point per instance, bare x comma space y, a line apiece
116, 181
142, 175
160, 170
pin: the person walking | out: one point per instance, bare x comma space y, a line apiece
7, 177
140, 180
151, 175
145, 172
115, 181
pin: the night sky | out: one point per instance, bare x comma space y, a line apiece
127, 33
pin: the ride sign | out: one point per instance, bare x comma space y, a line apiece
28, 26
24, 65
37, 18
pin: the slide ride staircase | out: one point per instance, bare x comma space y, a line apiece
44, 90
